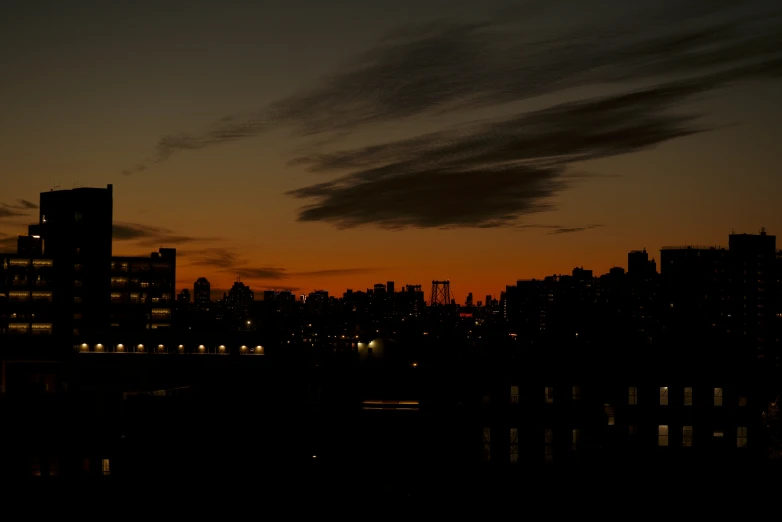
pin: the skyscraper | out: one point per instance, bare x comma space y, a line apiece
202, 294
75, 228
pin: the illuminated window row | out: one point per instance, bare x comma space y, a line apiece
718, 435
717, 394
161, 348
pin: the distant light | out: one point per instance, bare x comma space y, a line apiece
314, 456
140, 347
99, 346
160, 347
84, 347
181, 346
415, 365
36, 237
120, 347
201, 347
249, 322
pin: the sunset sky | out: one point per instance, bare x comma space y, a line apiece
336, 144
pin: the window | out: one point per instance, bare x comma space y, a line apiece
688, 396
514, 445
576, 439
18, 328
549, 395
514, 394
116, 297
609, 411
662, 435
42, 328
687, 436
718, 435
717, 396
576, 393
161, 313
742, 400
663, 396
18, 295
549, 438
633, 399
741, 437
105, 468
42, 296
486, 444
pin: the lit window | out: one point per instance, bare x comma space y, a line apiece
42, 328
161, 313
717, 396
18, 328
609, 411
549, 438
105, 467
742, 400
116, 297
633, 398
514, 445
486, 444
576, 439
17, 295
688, 396
514, 394
549, 395
663, 396
687, 436
662, 435
576, 393
718, 435
741, 437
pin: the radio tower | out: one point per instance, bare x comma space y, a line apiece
441, 293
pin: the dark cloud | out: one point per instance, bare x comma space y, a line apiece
25, 204
211, 257
489, 174
145, 235
570, 230
6, 211
558, 229
449, 65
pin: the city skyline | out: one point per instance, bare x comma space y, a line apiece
256, 156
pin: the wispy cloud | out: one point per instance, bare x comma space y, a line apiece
20, 207
559, 229
449, 65
228, 260
145, 235
490, 174
570, 230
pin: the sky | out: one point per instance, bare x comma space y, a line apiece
308, 145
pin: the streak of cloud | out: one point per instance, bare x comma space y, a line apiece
445, 65
145, 235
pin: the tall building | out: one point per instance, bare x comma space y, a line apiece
753, 291
468, 302
238, 303
73, 235
202, 294
75, 227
